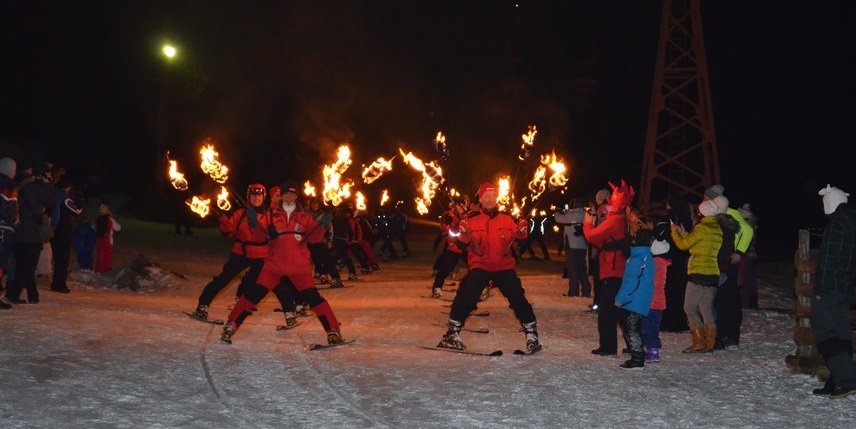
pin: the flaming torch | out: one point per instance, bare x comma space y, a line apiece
440, 146
200, 206
432, 178
223, 200
334, 192
384, 198
361, 201
528, 143
309, 189
216, 170
175, 177
376, 169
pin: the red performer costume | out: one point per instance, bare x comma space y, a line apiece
287, 259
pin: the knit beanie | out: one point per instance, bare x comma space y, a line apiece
484, 187
721, 204
8, 167
832, 198
708, 208
659, 247
714, 191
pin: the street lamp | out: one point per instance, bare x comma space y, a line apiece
169, 51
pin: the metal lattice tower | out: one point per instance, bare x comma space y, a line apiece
680, 146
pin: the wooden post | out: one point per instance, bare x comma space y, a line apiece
806, 359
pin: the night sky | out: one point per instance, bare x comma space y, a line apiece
279, 85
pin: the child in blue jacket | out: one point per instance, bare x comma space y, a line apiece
634, 296
83, 240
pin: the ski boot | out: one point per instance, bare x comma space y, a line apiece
531, 331
334, 336
300, 309
291, 320
200, 313
435, 293
352, 276
452, 340
228, 330
336, 283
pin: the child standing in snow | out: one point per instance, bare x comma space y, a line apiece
83, 240
105, 226
634, 296
651, 322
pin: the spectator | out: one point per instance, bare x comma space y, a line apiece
8, 220
105, 226
747, 279
84, 239
575, 262
62, 221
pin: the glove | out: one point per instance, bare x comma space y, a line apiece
578, 230
298, 237
252, 218
272, 232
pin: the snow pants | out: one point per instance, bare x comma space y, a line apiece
470, 290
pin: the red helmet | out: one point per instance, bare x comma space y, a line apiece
256, 189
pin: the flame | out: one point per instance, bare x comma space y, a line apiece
376, 169
309, 189
199, 205
384, 197
211, 166
440, 146
175, 177
432, 178
558, 178
335, 192
528, 143
223, 200
361, 201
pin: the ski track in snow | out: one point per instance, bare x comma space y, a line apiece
106, 358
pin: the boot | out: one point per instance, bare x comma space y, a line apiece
652, 355
531, 332
710, 337
334, 336
699, 345
228, 330
636, 361
435, 293
452, 339
200, 313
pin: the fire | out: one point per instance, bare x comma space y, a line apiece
528, 143
211, 166
376, 169
334, 191
199, 205
440, 146
309, 189
384, 198
223, 200
540, 181
432, 178
361, 201
558, 178
175, 177
505, 199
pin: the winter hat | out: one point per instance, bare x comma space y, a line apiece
622, 196
832, 198
601, 196
721, 203
714, 191
288, 186
708, 208
660, 247
8, 167
485, 187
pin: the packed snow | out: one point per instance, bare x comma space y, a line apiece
108, 357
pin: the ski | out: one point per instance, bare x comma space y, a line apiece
331, 287
479, 314
213, 322
464, 352
475, 331
434, 297
287, 328
519, 352
316, 346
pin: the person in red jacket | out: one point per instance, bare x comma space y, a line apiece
287, 259
607, 237
248, 227
488, 237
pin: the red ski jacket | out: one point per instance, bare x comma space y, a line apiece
249, 242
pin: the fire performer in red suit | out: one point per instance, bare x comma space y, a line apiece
488, 237
287, 259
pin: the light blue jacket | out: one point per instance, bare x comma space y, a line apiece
637, 285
